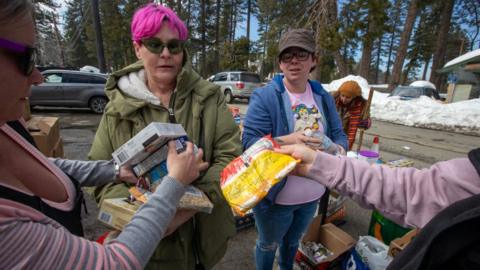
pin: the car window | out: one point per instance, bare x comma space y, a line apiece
234, 77
249, 77
76, 78
407, 92
97, 80
220, 77
53, 78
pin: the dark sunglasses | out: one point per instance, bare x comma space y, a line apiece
156, 46
24, 55
287, 57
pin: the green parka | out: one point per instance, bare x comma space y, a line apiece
200, 107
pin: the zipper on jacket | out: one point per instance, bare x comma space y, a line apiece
171, 111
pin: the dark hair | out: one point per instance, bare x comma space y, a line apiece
11, 9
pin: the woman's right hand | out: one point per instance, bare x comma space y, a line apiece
186, 166
302, 152
297, 138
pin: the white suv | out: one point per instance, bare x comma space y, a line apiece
237, 84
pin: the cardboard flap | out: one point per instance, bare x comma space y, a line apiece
329, 235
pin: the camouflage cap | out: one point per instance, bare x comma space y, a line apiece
301, 38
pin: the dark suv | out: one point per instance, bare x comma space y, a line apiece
70, 88
237, 84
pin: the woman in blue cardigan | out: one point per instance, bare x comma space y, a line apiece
293, 109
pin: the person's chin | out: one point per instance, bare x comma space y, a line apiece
165, 76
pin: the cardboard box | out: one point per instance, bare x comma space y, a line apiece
57, 151
330, 236
26, 112
158, 157
398, 244
45, 132
117, 212
146, 142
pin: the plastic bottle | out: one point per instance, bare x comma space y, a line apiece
375, 145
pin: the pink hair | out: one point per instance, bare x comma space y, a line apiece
149, 18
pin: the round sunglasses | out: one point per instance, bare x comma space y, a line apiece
25, 56
156, 46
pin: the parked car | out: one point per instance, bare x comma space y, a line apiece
70, 88
237, 84
411, 92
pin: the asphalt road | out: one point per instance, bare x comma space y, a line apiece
423, 146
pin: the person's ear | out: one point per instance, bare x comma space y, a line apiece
314, 60
137, 48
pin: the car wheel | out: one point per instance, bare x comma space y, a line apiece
97, 104
228, 96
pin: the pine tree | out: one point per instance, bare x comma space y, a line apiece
439, 53
374, 28
50, 42
404, 41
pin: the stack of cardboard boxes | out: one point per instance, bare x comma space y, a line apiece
45, 132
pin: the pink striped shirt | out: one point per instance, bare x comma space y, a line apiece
29, 239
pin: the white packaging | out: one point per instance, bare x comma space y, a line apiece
146, 142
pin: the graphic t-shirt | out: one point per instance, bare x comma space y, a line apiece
307, 116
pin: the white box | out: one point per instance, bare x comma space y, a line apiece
146, 142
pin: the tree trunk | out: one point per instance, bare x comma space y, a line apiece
379, 52
396, 20
217, 37
341, 65
402, 48
441, 42
234, 21
249, 6
203, 29
364, 66
424, 75
232, 30
98, 37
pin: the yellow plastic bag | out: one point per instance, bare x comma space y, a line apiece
248, 178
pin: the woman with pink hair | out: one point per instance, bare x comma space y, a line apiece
163, 87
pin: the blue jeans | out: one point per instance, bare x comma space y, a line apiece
280, 226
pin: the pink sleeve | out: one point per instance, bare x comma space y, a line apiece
408, 196
25, 244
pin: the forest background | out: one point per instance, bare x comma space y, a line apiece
384, 41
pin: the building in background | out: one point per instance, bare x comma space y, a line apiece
463, 77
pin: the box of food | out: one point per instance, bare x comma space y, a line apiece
117, 212
158, 157
146, 142
45, 132
335, 241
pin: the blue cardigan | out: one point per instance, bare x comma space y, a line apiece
269, 112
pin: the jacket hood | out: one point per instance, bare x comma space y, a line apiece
127, 91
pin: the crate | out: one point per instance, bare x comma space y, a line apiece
244, 222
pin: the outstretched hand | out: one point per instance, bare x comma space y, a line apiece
186, 166
302, 152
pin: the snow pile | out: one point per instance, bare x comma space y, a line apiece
462, 116
425, 112
426, 84
334, 85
